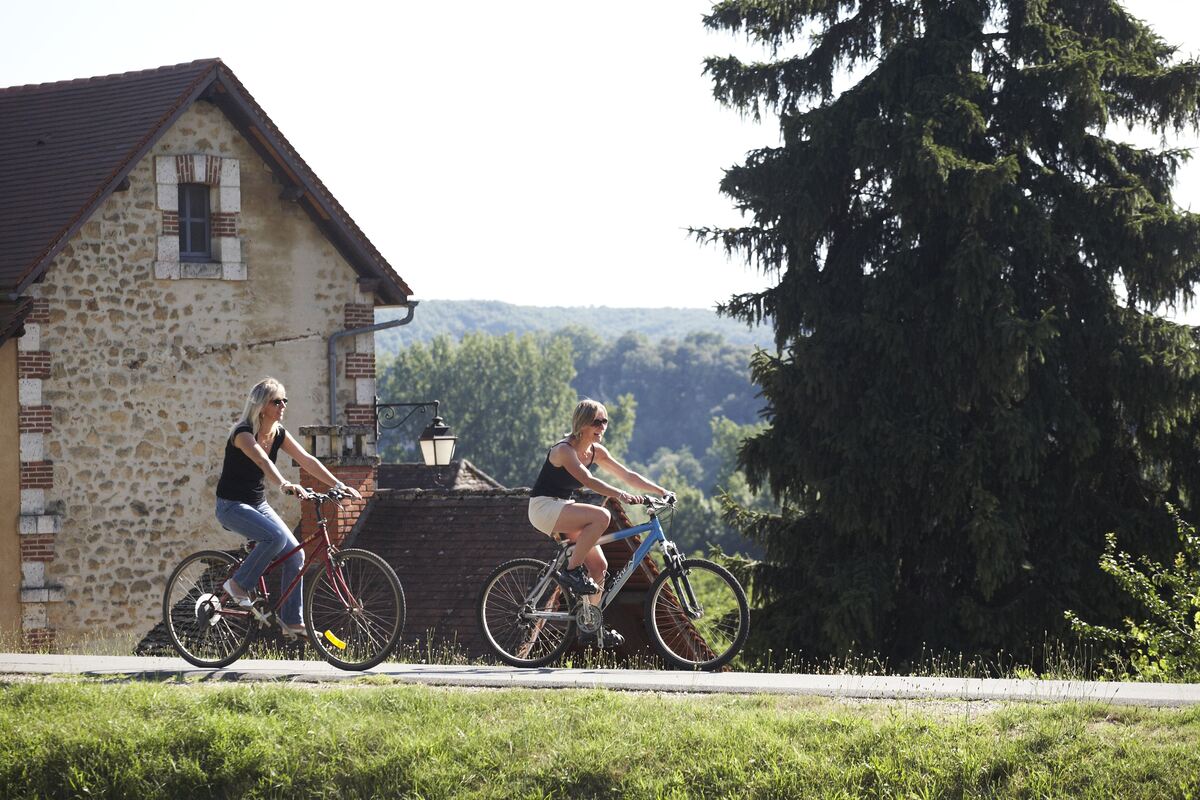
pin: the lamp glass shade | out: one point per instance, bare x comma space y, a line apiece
437, 443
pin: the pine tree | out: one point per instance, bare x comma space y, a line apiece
968, 390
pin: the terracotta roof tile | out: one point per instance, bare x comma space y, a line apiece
457, 475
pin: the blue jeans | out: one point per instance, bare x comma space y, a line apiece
262, 525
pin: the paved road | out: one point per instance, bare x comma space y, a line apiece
843, 686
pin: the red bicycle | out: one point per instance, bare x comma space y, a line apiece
353, 603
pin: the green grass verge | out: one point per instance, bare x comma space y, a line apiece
133, 740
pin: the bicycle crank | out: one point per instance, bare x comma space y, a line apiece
208, 609
589, 618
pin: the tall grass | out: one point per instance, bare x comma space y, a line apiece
168, 740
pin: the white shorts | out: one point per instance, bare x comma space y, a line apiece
544, 511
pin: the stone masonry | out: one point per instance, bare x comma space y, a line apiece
131, 375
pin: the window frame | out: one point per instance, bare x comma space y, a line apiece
188, 216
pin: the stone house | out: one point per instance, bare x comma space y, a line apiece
162, 248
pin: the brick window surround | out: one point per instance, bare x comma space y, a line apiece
223, 177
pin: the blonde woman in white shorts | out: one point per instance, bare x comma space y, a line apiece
554, 513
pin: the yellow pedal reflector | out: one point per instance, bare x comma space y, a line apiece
335, 641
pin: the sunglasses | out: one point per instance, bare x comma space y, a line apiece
599, 422
279, 401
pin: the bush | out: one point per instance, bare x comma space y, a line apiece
1166, 646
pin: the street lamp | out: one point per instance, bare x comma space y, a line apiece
437, 442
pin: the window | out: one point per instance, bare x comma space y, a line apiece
195, 239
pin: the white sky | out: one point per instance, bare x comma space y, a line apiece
544, 153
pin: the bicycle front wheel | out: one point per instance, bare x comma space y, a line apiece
697, 617
354, 609
507, 612
205, 626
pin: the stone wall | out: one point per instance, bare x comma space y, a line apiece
146, 372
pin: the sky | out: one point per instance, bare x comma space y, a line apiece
539, 153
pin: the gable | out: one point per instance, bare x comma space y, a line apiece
65, 147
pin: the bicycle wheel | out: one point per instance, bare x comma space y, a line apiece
708, 638
505, 597
354, 609
205, 626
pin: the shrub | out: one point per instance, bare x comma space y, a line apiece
1166, 645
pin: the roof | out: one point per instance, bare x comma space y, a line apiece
64, 147
12, 318
444, 544
456, 475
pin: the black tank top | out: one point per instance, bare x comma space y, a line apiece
555, 481
241, 479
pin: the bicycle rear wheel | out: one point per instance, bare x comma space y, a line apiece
354, 609
710, 636
205, 626
517, 640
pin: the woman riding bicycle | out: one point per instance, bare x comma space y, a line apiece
554, 513
250, 451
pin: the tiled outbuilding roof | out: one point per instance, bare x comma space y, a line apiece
456, 475
64, 147
443, 545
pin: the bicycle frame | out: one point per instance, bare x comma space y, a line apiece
656, 538
321, 555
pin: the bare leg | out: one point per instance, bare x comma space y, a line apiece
584, 524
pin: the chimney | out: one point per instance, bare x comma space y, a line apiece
348, 451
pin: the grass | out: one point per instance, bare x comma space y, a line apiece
133, 740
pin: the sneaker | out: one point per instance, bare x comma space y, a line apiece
609, 641
236, 594
578, 581
289, 631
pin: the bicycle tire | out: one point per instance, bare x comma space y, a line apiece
710, 641
192, 604
371, 627
508, 636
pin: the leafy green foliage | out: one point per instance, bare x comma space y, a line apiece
506, 398
1166, 644
961, 402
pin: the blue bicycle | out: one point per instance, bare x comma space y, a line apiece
695, 613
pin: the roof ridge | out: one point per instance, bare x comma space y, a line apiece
34, 87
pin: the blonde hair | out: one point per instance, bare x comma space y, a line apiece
263, 392
584, 413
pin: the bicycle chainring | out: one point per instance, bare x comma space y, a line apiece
589, 618
208, 609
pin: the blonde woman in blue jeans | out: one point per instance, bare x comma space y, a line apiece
250, 451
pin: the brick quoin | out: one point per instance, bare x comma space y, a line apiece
212, 171
34, 419
360, 365
170, 221
360, 415
359, 315
37, 547
38, 639
33, 364
37, 475
39, 312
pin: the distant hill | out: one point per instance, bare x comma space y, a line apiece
456, 317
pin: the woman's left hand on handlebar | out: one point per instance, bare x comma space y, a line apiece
350, 490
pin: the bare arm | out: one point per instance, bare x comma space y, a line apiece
565, 456
610, 464
311, 465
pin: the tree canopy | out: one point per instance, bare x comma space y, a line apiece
969, 388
